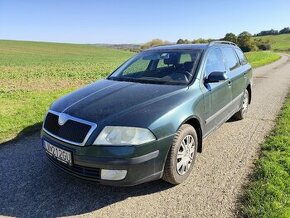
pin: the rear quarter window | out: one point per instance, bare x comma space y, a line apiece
242, 57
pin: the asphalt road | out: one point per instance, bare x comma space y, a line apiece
32, 187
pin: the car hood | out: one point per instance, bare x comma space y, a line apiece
106, 98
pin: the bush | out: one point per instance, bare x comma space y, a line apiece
231, 38
246, 42
263, 44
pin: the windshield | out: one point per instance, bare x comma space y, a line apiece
163, 67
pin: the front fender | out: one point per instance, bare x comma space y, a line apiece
169, 123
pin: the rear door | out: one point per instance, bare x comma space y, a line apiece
217, 96
236, 76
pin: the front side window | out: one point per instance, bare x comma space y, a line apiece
164, 67
214, 62
230, 58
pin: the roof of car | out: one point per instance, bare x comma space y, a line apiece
192, 46
179, 46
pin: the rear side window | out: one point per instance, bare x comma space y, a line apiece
230, 58
214, 62
185, 58
242, 57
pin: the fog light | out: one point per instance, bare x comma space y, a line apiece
113, 174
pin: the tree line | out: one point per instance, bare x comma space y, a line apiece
273, 32
244, 40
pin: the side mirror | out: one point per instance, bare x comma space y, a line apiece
215, 77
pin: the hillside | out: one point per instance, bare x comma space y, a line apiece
33, 74
278, 42
36, 60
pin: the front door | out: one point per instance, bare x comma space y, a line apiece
217, 96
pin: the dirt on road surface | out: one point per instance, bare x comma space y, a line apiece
32, 187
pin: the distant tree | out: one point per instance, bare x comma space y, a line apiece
154, 42
231, 37
246, 42
200, 40
183, 41
180, 41
284, 30
268, 32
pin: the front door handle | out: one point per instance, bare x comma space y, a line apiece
229, 82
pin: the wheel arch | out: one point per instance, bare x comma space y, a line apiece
196, 124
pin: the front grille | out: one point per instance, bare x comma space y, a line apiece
71, 131
88, 172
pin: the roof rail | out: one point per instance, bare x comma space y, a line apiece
221, 42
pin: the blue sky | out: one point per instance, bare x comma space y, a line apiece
129, 21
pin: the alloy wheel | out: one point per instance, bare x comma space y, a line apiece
185, 154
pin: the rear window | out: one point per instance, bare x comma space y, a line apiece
242, 57
230, 58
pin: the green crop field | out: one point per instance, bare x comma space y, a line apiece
278, 42
33, 74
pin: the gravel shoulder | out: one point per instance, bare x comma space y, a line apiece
31, 187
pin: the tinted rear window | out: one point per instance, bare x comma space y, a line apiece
230, 58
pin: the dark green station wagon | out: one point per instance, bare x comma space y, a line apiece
148, 119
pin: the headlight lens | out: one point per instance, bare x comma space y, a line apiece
120, 135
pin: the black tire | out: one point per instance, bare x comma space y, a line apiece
241, 114
171, 172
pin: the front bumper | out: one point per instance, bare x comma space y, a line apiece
143, 162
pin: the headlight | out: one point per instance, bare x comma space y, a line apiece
120, 135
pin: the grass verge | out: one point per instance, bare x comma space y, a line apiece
261, 58
23, 109
268, 194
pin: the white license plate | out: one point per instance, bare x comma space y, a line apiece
58, 153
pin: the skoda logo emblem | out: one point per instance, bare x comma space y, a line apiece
62, 118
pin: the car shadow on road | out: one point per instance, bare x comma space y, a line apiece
32, 187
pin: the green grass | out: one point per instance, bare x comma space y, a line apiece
269, 192
34, 74
23, 109
260, 58
279, 42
